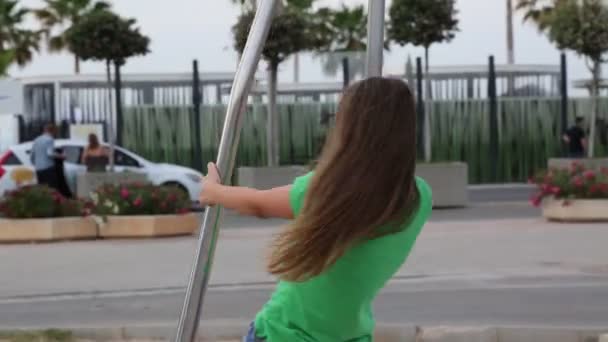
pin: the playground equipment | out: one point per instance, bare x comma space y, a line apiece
201, 269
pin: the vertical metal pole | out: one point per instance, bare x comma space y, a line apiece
420, 107
563, 82
117, 89
196, 102
201, 270
375, 38
493, 120
345, 72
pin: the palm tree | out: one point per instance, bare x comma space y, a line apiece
6, 59
537, 11
11, 17
17, 45
64, 14
344, 32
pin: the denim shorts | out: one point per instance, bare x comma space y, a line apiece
251, 335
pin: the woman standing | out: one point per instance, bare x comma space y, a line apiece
95, 156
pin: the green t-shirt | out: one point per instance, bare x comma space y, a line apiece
336, 306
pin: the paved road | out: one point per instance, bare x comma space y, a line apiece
580, 301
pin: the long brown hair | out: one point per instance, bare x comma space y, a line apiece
93, 141
364, 180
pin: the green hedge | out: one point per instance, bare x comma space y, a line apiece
529, 134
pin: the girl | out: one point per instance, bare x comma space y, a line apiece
355, 220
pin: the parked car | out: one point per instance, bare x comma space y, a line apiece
18, 156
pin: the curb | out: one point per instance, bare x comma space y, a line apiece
233, 330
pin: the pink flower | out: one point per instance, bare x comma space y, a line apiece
124, 193
589, 175
138, 202
555, 190
536, 200
578, 182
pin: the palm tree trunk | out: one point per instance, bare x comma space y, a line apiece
272, 134
429, 97
595, 92
510, 38
510, 46
76, 65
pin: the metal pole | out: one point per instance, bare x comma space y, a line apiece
345, 72
201, 270
492, 97
118, 90
196, 102
375, 38
564, 92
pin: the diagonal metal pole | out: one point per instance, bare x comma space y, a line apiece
375, 38
201, 270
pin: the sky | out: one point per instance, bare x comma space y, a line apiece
183, 30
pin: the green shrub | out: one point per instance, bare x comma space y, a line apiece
39, 201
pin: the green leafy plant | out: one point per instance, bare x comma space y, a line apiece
17, 44
139, 200
62, 15
575, 182
38, 201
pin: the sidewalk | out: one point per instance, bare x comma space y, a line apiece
464, 249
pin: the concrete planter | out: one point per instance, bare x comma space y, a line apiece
265, 178
449, 182
576, 210
588, 163
149, 226
91, 181
49, 229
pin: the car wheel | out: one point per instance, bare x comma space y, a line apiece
179, 186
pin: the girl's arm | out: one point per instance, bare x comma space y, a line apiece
272, 203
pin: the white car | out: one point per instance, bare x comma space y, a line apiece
18, 156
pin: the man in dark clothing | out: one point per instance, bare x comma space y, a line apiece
576, 140
43, 157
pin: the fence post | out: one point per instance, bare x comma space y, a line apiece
493, 120
345, 72
117, 89
196, 103
564, 95
420, 108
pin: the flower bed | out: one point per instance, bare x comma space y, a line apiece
142, 210
572, 194
37, 213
